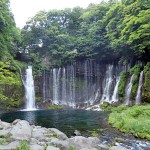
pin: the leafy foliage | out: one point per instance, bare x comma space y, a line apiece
122, 84
147, 83
105, 32
133, 120
136, 71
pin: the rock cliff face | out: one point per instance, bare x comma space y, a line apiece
20, 134
82, 84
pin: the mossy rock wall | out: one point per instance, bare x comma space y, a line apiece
11, 89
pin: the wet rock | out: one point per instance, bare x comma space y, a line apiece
21, 130
36, 147
52, 148
118, 148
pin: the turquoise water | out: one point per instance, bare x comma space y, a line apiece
66, 120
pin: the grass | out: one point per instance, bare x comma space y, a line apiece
135, 120
23, 145
55, 107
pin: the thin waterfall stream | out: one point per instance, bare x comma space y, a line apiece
139, 91
128, 91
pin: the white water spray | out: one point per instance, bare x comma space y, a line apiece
139, 92
108, 83
29, 90
115, 93
128, 91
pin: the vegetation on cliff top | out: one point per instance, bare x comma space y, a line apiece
109, 31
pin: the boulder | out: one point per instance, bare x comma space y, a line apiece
21, 130
63, 145
4, 133
80, 142
60, 135
4, 125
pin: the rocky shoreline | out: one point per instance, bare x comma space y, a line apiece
41, 138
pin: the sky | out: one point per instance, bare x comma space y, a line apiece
25, 9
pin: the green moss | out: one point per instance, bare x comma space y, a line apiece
136, 71
10, 84
55, 135
133, 120
122, 84
55, 107
23, 145
72, 147
3, 142
105, 106
146, 94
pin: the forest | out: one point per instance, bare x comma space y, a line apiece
110, 31
74, 51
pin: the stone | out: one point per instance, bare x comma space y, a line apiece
38, 135
52, 148
4, 125
81, 142
63, 145
33, 141
10, 146
77, 133
118, 148
36, 147
60, 135
4, 133
21, 130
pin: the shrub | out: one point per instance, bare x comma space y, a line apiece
134, 120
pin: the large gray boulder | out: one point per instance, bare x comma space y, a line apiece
80, 142
21, 130
60, 135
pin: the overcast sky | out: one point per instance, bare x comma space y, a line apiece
24, 9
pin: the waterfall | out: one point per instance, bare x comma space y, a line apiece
128, 91
56, 85
107, 86
81, 84
64, 90
29, 89
139, 91
115, 93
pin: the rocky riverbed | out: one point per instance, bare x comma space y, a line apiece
40, 138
